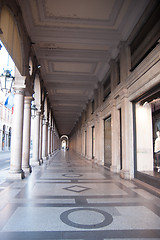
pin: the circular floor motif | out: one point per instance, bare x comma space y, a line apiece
94, 218
72, 175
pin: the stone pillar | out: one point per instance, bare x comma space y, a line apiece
115, 138
17, 135
26, 135
40, 139
36, 141
53, 141
49, 140
127, 171
45, 140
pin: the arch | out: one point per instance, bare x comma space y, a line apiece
64, 138
10, 37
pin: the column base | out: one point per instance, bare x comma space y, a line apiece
45, 158
113, 169
36, 163
27, 169
125, 174
41, 161
16, 174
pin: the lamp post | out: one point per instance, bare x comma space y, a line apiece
6, 80
33, 110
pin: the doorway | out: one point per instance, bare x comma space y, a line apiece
85, 143
107, 142
146, 114
93, 142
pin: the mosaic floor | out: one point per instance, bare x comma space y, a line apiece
69, 198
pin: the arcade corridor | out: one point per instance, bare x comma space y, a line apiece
69, 198
86, 79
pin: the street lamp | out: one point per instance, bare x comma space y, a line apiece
33, 110
6, 80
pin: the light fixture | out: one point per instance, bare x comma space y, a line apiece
145, 103
33, 110
6, 80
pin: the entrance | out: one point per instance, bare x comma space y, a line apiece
64, 144
147, 135
93, 142
85, 143
107, 142
156, 133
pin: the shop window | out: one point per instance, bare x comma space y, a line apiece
156, 133
147, 134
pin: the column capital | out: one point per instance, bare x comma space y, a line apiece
38, 113
28, 99
122, 44
19, 90
19, 81
45, 122
49, 127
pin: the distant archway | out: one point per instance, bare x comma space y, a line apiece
64, 142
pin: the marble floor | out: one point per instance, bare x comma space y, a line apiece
70, 198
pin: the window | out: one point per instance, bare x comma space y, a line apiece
147, 37
118, 72
85, 115
93, 106
107, 88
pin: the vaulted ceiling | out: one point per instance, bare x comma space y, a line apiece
74, 42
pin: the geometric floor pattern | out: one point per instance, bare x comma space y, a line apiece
71, 198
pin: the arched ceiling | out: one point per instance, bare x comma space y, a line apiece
74, 40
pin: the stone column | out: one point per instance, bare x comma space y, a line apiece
40, 141
127, 171
115, 166
36, 137
45, 140
26, 135
49, 140
53, 142
17, 135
